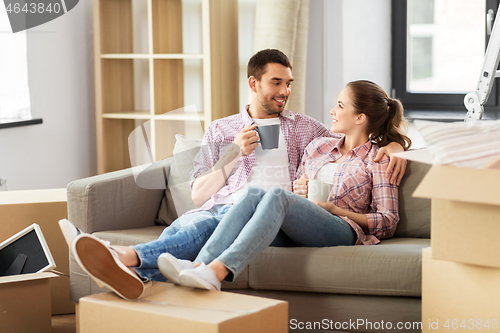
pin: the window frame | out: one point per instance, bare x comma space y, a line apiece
19, 123
444, 106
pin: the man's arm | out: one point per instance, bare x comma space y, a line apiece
210, 182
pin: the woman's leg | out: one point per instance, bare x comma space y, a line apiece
309, 225
304, 222
231, 225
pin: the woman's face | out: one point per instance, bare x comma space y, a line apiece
343, 114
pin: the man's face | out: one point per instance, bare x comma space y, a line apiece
273, 89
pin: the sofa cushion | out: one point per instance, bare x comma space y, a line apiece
391, 268
129, 237
414, 213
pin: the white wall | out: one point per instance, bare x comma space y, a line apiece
348, 40
367, 41
246, 23
61, 80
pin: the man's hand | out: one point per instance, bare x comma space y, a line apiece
397, 165
300, 186
247, 140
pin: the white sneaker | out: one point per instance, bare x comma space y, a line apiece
201, 277
170, 267
101, 262
69, 231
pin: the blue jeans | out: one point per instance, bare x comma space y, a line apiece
183, 239
256, 218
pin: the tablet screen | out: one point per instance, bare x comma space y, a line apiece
30, 243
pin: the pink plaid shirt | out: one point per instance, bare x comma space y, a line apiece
359, 185
298, 129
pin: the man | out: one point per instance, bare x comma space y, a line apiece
230, 159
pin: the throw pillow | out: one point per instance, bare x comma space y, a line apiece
177, 199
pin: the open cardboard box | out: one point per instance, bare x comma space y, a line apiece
25, 303
458, 296
171, 308
20, 209
465, 213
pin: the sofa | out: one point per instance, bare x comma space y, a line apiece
346, 288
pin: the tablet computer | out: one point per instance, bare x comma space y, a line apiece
25, 252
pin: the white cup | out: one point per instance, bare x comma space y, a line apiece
318, 191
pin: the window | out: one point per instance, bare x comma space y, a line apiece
15, 106
438, 52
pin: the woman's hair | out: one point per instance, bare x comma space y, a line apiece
386, 123
258, 62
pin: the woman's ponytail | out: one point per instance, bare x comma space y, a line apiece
396, 124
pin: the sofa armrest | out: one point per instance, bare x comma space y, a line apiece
114, 201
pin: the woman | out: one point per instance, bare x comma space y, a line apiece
361, 209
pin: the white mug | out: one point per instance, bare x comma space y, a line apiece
318, 191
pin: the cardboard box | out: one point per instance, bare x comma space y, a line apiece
25, 303
459, 297
465, 212
170, 308
20, 209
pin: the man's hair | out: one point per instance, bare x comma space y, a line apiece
258, 62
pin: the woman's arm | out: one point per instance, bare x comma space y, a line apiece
384, 216
360, 219
382, 219
397, 165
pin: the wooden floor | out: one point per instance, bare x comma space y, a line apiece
64, 324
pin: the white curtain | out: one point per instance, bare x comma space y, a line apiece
284, 25
14, 91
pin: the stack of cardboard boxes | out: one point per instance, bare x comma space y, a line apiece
461, 270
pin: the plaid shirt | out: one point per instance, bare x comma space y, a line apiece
298, 129
359, 185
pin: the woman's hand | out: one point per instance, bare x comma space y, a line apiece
360, 219
329, 207
300, 186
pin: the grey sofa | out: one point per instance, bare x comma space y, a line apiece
356, 288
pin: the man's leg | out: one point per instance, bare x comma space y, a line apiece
183, 239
